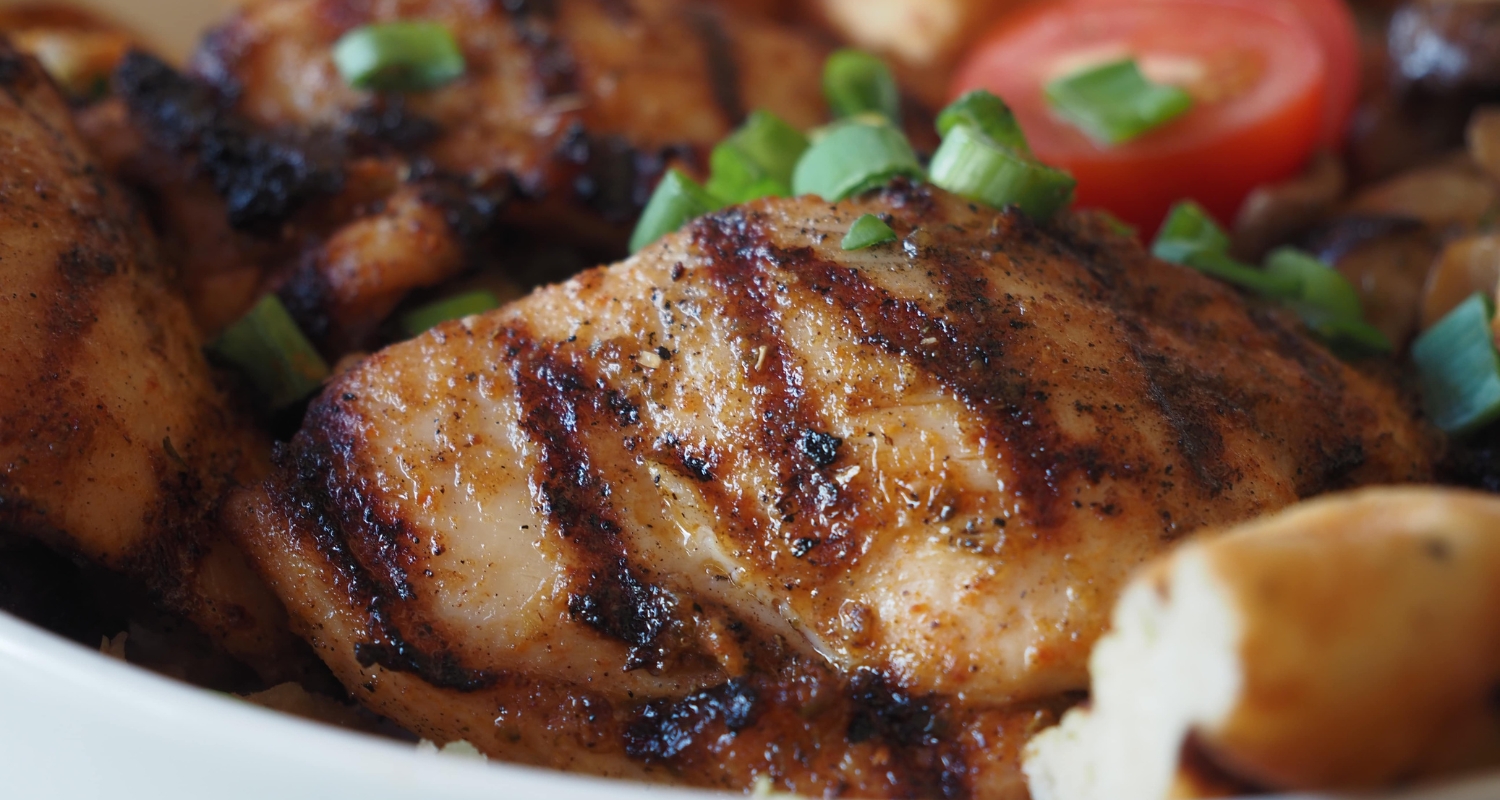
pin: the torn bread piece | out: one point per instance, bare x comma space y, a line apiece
1349, 643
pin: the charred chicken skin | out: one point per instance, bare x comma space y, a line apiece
749, 504
565, 118
115, 445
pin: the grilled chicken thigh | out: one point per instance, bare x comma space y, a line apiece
752, 504
115, 446
566, 116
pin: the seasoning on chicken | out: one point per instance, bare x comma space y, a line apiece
115, 446
751, 504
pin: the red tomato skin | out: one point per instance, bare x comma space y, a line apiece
1215, 156
1332, 21
1141, 190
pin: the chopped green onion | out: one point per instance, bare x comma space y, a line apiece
1116, 225
1322, 286
734, 177
989, 114
973, 165
854, 158
1191, 237
267, 346
1221, 266
856, 82
459, 306
868, 231
1189, 231
821, 132
1327, 302
1344, 335
757, 161
678, 200
398, 56
1114, 103
1460, 368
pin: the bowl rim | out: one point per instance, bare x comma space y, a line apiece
79, 690
164, 739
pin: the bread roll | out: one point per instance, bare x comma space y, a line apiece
1349, 643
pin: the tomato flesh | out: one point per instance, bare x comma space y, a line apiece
1257, 70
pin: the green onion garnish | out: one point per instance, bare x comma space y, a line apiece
854, 158
1460, 368
1116, 225
868, 231
1114, 103
988, 113
678, 200
971, 164
398, 56
1191, 237
1327, 302
856, 82
1321, 286
424, 318
1346, 336
1189, 231
267, 346
1221, 266
757, 161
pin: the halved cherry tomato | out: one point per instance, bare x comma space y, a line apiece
1332, 21
1256, 69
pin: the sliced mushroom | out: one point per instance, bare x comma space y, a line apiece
1273, 215
1450, 192
1388, 260
1469, 265
1483, 136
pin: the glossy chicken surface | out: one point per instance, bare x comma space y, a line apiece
115, 445
565, 118
750, 504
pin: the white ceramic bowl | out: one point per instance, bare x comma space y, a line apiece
75, 725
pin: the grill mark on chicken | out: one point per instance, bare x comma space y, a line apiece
970, 359
560, 404
388, 124
723, 65
553, 67
1194, 403
609, 174
323, 503
1329, 463
73, 312
662, 729
808, 499
918, 730
1188, 403
1181, 401
263, 180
